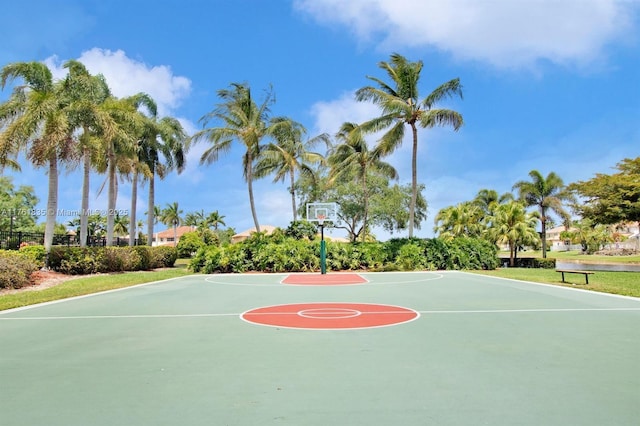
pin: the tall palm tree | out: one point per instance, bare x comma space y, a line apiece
36, 117
289, 154
401, 105
241, 119
172, 216
547, 194
88, 94
120, 150
162, 149
512, 225
352, 155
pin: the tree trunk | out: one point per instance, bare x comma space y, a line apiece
111, 199
250, 185
366, 207
543, 222
293, 196
132, 213
84, 208
512, 260
414, 179
52, 204
150, 209
175, 233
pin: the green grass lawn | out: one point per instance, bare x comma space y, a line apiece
623, 283
577, 256
91, 284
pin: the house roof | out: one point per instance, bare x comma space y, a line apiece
247, 232
168, 233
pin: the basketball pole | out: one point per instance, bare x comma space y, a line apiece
323, 250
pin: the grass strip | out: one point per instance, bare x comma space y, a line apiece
88, 285
623, 283
578, 257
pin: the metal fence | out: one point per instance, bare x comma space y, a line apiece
13, 240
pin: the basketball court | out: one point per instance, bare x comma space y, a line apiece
414, 348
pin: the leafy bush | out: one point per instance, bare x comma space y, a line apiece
280, 253
411, 257
548, 263
16, 268
163, 257
301, 229
144, 254
189, 244
36, 252
90, 260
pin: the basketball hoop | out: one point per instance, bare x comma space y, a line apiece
321, 218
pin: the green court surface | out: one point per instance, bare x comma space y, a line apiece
483, 351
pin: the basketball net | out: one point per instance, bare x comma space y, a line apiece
321, 219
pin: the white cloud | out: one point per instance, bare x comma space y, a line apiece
127, 77
329, 115
505, 33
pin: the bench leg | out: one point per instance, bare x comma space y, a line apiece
563, 277
586, 278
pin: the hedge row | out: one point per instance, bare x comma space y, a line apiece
90, 260
286, 254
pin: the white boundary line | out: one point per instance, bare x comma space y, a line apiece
211, 278
559, 287
249, 313
54, 302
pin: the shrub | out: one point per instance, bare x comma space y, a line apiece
35, 252
144, 254
411, 257
279, 253
16, 268
189, 244
163, 257
548, 263
301, 229
90, 260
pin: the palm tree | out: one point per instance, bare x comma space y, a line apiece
289, 154
512, 225
215, 219
461, 220
163, 149
197, 219
488, 199
121, 225
401, 106
35, 116
548, 194
241, 120
88, 94
153, 215
171, 216
353, 155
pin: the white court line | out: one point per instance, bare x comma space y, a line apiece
487, 279
516, 311
117, 317
475, 311
84, 296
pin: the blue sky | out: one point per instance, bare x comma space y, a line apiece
550, 85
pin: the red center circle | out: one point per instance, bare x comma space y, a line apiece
330, 316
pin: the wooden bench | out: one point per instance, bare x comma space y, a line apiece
585, 273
